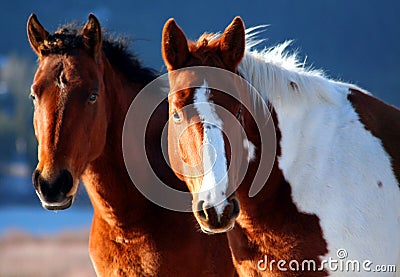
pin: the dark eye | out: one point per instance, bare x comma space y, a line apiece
239, 112
33, 97
177, 117
93, 97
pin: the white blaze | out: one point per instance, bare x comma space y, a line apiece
215, 179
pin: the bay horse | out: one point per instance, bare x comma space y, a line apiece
332, 191
81, 92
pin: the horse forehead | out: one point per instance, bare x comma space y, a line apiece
48, 68
195, 76
58, 77
80, 67
72, 66
184, 79
181, 91
184, 83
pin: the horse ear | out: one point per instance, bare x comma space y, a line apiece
174, 45
37, 34
232, 43
91, 33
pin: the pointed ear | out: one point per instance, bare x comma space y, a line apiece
232, 43
91, 33
175, 50
36, 33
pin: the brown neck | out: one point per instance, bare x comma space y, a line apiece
270, 223
274, 188
112, 193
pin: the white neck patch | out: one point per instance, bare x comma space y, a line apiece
340, 172
215, 179
251, 150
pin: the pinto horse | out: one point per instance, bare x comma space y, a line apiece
82, 90
332, 191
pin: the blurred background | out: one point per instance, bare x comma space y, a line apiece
354, 41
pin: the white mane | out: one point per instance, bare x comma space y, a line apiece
281, 79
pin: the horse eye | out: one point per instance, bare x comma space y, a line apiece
176, 116
239, 113
93, 97
33, 97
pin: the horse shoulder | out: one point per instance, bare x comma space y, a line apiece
382, 120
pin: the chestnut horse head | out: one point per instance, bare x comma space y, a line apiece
205, 150
70, 114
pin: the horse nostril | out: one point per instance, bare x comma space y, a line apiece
201, 210
236, 207
54, 190
66, 181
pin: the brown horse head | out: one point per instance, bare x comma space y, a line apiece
70, 116
204, 145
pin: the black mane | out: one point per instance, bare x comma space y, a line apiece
68, 38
